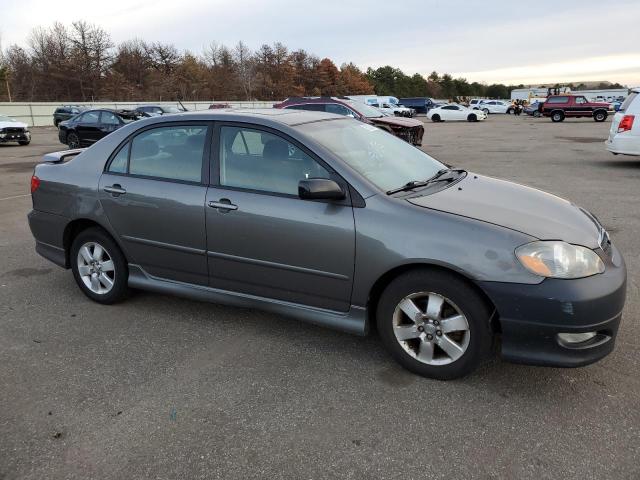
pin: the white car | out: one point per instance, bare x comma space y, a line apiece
455, 112
12, 130
393, 109
624, 136
495, 106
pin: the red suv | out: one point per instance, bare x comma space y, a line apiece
407, 129
560, 106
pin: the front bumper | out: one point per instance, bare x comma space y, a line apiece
532, 316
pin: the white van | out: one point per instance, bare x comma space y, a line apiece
624, 136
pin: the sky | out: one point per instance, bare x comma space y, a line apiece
491, 41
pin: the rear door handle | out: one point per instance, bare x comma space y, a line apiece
115, 190
224, 204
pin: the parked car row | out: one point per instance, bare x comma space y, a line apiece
408, 129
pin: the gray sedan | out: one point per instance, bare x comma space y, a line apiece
335, 222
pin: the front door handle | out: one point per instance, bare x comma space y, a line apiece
115, 190
224, 205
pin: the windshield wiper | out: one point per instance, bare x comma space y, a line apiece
438, 177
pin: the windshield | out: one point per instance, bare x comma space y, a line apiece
4, 118
364, 109
172, 109
385, 160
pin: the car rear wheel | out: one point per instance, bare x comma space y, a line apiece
472, 118
99, 267
557, 116
435, 118
434, 324
600, 116
536, 114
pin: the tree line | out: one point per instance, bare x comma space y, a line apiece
80, 62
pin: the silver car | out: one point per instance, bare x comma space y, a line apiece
335, 222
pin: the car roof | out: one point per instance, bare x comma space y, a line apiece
264, 116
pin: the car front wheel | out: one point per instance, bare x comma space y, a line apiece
557, 117
99, 267
434, 324
435, 118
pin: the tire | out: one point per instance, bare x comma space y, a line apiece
486, 111
510, 111
469, 341
472, 117
435, 118
557, 116
536, 114
24, 142
599, 116
73, 141
111, 263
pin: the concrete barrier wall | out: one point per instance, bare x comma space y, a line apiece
41, 114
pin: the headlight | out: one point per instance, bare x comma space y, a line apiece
559, 260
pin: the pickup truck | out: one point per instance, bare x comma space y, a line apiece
560, 106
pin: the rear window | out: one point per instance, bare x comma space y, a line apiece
558, 100
625, 105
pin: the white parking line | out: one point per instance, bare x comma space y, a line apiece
16, 196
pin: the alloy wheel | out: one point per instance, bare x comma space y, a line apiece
74, 142
96, 268
431, 328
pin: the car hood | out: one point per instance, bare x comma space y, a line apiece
397, 121
13, 125
517, 207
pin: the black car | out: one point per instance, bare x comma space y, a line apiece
92, 125
154, 110
66, 112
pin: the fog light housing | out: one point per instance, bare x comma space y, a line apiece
573, 338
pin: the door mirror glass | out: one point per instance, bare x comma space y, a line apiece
320, 189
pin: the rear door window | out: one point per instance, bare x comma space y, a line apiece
90, 117
558, 100
338, 109
109, 118
172, 153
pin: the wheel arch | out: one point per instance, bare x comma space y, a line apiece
376, 290
78, 225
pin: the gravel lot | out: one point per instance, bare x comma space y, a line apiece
161, 387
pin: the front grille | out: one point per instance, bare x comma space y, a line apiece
411, 135
605, 242
13, 130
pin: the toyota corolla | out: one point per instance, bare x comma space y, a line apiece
336, 222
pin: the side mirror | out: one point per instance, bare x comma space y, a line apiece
319, 189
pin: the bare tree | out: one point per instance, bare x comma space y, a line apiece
243, 59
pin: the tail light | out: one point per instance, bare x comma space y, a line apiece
626, 123
35, 183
